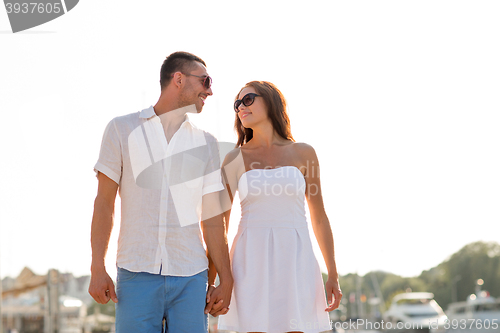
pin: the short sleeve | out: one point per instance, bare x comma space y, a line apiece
110, 156
212, 179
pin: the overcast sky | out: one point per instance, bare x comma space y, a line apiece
400, 99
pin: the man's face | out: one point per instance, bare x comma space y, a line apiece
194, 91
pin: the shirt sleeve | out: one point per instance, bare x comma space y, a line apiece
212, 180
110, 157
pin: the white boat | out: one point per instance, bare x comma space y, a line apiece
479, 313
416, 311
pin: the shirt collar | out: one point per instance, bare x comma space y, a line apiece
147, 113
150, 113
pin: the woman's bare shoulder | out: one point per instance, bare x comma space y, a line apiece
232, 155
303, 149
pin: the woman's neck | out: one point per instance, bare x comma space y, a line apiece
265, 136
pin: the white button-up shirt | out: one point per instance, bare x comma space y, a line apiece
161, 187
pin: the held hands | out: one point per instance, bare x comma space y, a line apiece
333, 288
218, 299
102, 288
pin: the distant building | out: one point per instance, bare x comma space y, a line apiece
76, 287
44, 303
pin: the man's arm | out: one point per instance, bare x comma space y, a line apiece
220, 206
214, 233
212, 274
101, 286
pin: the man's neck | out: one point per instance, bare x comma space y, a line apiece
171, 113
172, 120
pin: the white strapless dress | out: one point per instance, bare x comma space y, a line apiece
277, 281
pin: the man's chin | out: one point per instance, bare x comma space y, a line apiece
192, 108
199, 108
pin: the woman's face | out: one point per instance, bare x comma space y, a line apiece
253, 114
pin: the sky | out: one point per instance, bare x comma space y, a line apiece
400, 100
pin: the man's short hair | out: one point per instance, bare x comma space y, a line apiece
177, 62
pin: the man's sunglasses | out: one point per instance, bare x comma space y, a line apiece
207, 80
247, 100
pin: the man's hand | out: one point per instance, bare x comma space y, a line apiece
332, 287
102, 288
214, 307
218, 299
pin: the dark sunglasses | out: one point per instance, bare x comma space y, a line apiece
207, 80
247, 100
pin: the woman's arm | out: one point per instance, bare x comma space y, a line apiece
231, 168
320, 223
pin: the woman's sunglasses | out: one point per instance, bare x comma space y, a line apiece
207, 80
247, 100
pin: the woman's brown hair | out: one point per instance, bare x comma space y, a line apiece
276, 111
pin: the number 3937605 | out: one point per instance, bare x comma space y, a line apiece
33, 7
480, 324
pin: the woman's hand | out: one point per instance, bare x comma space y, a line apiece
211, 288
332, 288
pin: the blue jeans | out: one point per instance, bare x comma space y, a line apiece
144, 300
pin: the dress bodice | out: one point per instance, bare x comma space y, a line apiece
273, 197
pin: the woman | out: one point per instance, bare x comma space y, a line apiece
277, 280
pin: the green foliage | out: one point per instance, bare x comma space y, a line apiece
474, 261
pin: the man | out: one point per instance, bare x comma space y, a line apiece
168, 174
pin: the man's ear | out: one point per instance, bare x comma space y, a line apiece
177, 79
